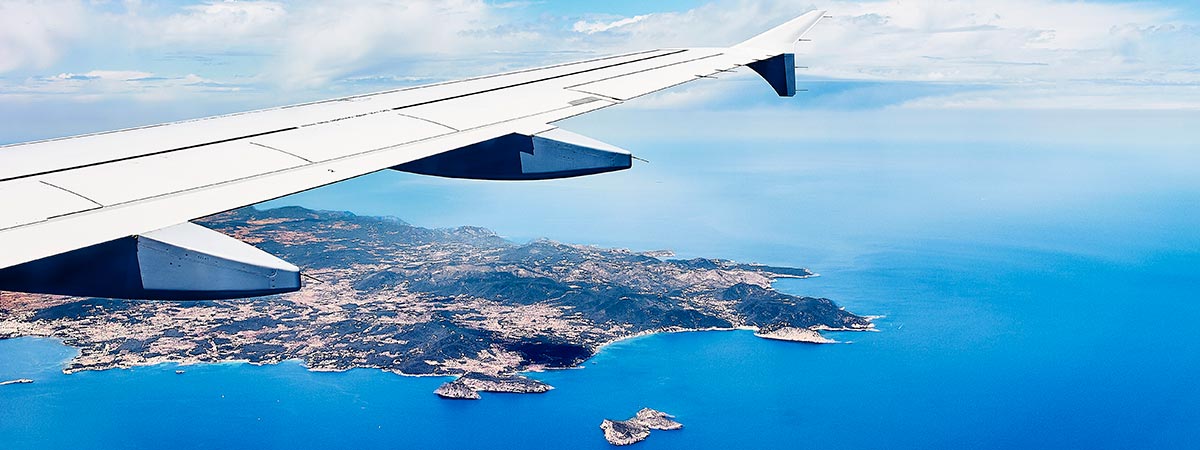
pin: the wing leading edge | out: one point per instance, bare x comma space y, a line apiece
108, 214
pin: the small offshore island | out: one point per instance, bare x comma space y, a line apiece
637, 428
416, 301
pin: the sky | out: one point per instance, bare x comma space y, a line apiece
923, 54
1014, 72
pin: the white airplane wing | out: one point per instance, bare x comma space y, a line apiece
108, 214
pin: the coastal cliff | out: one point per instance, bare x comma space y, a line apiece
456, 390
422, 301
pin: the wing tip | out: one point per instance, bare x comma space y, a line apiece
781, 38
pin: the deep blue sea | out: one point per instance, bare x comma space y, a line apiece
1038, 295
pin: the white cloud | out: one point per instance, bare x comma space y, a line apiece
104, 84
1031, 53
218, 22
34, 33
1077, 96
976, 40
593, 27
301, 44
105, 75
327, 40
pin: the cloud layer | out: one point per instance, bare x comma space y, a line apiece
1016, 53
987, 54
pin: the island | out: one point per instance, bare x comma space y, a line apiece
468, 386
793, 334
461, 302
637, 428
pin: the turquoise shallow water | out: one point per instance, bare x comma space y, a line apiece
1035, 298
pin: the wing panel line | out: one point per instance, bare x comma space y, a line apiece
47, 183
410, 116
268, 147
525, 83
160, 152
572, 87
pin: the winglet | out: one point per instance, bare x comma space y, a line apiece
780, 69
782, 38
780, 73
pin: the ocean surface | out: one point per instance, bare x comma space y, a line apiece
1037, 296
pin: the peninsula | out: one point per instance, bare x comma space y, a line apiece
419, 301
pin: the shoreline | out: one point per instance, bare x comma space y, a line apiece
604, 346
172, 365
796, 277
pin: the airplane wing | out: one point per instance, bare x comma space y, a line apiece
107, 214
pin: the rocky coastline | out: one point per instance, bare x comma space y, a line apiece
427, 302
456, 390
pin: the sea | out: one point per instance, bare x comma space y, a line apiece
1034, 293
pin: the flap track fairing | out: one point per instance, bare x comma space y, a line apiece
542, 156
183, 262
